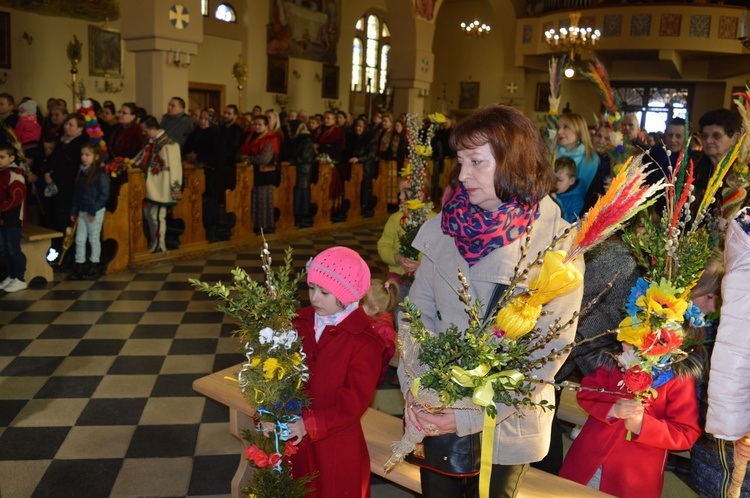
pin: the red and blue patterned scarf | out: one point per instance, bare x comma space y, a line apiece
477, 232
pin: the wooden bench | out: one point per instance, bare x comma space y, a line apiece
35, 243
381, 430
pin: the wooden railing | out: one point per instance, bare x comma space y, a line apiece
125, 225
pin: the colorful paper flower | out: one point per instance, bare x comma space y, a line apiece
637, 380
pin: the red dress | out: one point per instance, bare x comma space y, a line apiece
631, 469
344, 368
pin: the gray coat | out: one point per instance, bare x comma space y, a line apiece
517, 439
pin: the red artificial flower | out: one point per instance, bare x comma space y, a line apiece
273, 459
661, 342
154, 171
637, 380
257, 456
290, 449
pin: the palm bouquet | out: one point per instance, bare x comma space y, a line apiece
415, 208
273, 376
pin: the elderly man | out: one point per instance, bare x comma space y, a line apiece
175, 123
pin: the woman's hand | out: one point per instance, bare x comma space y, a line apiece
408, 264
430, 424
268, 428
47, 178
354, 160
91, 217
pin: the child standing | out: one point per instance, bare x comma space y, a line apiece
606, 457
12, 212
344, 354
379, 303
569, 195
89, 200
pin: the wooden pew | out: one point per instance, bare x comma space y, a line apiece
320, 194
352, 192
35, 243
117, 227
380, 430
190, 208
380, 188
238, 202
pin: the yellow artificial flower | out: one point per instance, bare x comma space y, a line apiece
271, 369
633, 333
518, 317
437, 118
254, 362
552, 112
406, 170
296, 359
661, 301
423, 150
414, 204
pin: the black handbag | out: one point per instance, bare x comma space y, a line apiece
451, 454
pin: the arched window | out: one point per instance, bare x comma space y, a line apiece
204, 8
370, 50
225, 12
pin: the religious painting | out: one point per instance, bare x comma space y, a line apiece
304, 29
105, 52
330, 82
277, 76
92, 11
469, 97
543, 92
4, 40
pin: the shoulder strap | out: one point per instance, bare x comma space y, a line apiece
496, 294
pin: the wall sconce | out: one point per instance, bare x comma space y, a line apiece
296, 74
423, 92
333, 104
178, 59
318, 78
109, 87
27, 37
3, 78
281, 100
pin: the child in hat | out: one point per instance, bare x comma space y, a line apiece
344, 356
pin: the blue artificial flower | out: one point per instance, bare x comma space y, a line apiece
620, 148
694, 316
638, 290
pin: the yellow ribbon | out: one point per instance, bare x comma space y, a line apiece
485, 468
483, 384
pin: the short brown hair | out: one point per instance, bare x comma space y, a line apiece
567, 165
523, 167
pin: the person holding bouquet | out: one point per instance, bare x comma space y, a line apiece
500, 186
622, 449
344, 356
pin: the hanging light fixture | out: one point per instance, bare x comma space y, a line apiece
572, 39
475, 28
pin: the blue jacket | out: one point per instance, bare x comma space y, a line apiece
571, 202
90, 198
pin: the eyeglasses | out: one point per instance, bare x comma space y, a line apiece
715, 136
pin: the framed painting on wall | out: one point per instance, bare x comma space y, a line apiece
4, 40
330, 81
469, 97
543, 92
105, 52
277, 76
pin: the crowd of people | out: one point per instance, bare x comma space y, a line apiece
502, 181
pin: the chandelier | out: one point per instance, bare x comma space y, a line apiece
475, 28
572, 39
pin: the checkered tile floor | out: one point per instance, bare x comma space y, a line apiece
95, 380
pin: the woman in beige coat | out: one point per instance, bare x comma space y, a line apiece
504, 178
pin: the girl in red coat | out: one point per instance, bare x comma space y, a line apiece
602, 453
344, 355
379, 303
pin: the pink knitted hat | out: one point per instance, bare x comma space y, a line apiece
342, 272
